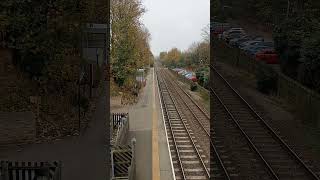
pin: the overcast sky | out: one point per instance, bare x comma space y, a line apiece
175, 23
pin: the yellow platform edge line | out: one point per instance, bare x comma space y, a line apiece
155, 143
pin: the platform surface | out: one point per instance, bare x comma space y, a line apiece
146, 126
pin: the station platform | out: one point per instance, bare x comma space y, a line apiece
146, 125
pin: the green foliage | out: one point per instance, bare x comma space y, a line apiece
130, 48
266, 79
294, 41
197, 55
309, 71
193, 87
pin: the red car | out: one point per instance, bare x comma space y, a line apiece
269, 56
194, 79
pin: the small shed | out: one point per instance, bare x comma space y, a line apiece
140, 76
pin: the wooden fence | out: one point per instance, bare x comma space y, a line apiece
305, 101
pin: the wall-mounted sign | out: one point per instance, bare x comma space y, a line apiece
94, 43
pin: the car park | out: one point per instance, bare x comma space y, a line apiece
254, 46
267, 55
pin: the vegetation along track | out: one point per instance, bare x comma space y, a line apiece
190, 156
277, 157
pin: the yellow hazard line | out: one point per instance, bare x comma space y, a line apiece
155, 144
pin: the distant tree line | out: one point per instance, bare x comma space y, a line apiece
196, 58
197, 55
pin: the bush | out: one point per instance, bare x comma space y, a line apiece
266, 79
193, 87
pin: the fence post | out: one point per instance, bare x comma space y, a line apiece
59, 170
128, 121
112, 164
133, 160
4, 170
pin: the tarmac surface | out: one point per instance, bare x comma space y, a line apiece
83, 157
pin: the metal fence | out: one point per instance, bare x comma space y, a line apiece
305, 101
119, 128
30, 170
123, 162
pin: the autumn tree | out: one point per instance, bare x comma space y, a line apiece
163, 55
174, 55
130, 48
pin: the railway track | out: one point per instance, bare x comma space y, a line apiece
273, 155
190, 157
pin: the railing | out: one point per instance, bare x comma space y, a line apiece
132, 168
123, 162
120, 123
30, 170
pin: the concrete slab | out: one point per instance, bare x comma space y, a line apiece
140, 128
151, 159
166, 167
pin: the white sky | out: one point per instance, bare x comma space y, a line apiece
175, 23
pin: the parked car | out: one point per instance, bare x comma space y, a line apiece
219, 28
268, 43
176, 69
258, 38
246, 44
188, 74
233, 35
232, 30
236, 41
267, 55
182, 71
254, 49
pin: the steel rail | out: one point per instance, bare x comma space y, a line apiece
195, 103
206, 169
171, 130
261, 120
202, 126
187, 130
246, 136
